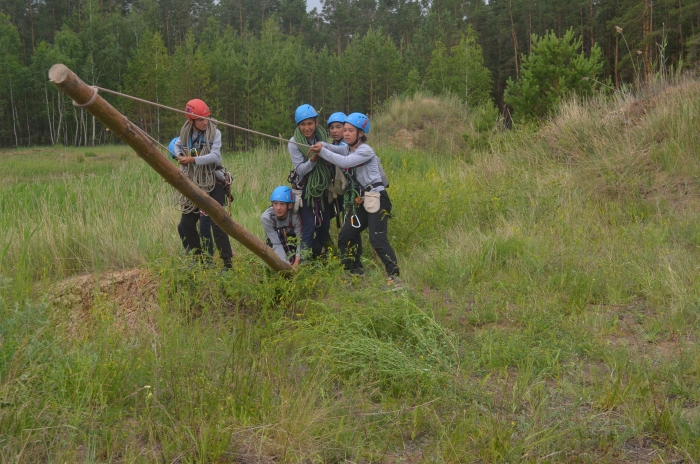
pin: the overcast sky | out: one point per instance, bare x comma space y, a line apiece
311, 4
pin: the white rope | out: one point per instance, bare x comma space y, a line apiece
205, 179
141, 100
202, 175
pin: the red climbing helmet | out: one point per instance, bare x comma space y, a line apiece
197, 109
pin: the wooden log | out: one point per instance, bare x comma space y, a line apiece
81, 93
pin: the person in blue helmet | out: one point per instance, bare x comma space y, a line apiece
310, 180
171, 147
282, 225
368, 199
205, 222
336, 125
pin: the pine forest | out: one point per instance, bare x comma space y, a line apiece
255, 61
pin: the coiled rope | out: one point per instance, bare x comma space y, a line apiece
202, 175
320, 176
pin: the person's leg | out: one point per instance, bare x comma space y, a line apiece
350, 241
205, 232
188, 222
322, 233
220, 237
308, 227
181, 233
378, 234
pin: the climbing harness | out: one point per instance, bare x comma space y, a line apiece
283, 236
225, 179
318, 212
351, 194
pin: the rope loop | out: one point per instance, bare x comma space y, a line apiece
89, 102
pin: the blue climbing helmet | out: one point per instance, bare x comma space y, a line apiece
359, 120
305, 112
171, 147
283, 193
336, 117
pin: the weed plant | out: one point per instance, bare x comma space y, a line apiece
552, 314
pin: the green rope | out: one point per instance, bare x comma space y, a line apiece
320, 176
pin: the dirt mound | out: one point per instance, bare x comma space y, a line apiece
406, 139
127, 298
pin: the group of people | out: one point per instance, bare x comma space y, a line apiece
333, 175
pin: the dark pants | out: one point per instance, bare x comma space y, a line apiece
350, 238
205, 234
189, 229
312, 237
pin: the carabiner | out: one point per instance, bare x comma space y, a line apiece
352, 221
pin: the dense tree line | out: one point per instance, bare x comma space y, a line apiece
256, 60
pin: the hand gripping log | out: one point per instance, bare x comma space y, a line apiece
86, 96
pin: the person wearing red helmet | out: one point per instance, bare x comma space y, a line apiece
198, 152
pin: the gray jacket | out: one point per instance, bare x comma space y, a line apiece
363, 159
214, 155
271, 224
301, 165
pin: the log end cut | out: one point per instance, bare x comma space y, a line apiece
58, 73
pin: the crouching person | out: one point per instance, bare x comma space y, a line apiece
198, 152
281, 224
370, 207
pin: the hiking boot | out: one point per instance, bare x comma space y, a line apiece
393, 285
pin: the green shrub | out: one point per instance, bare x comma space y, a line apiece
554, 70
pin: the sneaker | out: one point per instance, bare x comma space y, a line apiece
393, 285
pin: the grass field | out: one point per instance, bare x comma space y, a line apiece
552, 316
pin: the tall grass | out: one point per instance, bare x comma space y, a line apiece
552, 316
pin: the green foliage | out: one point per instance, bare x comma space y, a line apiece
555, 69
254, 62
190, 72
150, 76
12, 70
394, 346
552, 286
484, 123
460, 71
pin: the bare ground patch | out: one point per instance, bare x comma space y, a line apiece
128, 297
